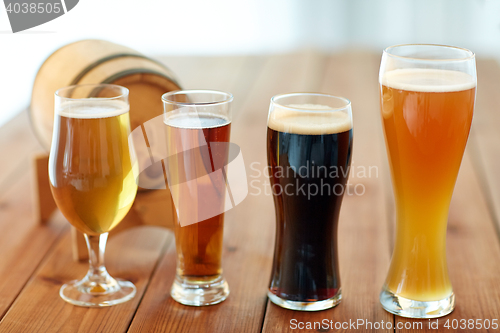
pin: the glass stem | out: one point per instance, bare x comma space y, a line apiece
97, 271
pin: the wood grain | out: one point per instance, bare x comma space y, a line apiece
19, 145
485, 136
132, 255
44, 201
23, 241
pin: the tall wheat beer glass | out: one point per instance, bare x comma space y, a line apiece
427, 96
309, 144
92, 182
197, 127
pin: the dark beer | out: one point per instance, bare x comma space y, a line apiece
189, 138
309, 157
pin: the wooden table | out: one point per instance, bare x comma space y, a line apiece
36, 259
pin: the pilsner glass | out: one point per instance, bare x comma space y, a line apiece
309, 144
427, 96
92, 182
198, 125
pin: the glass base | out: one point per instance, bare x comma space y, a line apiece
306, 306
91, 294
408, 308
199, 293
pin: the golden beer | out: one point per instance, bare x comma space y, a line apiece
90, 171
427, 115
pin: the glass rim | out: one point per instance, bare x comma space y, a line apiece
471, 55
347, 102
228, 97
124, 91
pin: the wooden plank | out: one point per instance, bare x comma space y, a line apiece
363, 241
43, 199
131, 255
485, 135
24, 241
249, 228
473, 256
22, 238
18, 145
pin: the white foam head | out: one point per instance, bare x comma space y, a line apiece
194, 120
320, 120
85, 109
428, 80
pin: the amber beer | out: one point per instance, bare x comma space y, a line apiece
199, 245
309, 153
197, 129
92, 183
427, 115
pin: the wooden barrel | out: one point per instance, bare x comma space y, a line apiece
99, 61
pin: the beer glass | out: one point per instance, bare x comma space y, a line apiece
427, 96
309, 144
91, 179
198, 125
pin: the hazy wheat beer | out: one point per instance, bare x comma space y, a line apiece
199, 245
309, 154
92, 183
427, 115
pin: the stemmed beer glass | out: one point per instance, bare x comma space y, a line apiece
92, 181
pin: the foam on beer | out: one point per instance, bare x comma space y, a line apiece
428, 80
295, 121
194, 120
84, 110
